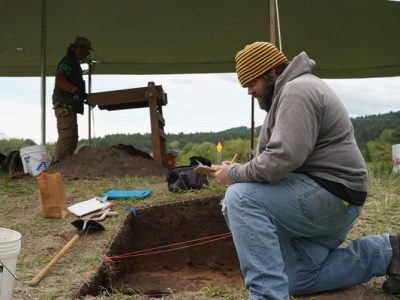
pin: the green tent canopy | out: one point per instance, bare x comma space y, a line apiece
348, 39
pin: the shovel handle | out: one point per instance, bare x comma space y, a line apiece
36, 280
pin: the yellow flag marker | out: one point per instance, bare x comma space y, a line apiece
219, 147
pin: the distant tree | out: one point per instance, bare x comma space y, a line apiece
240, 147
381, 148
366, 154
369, 128
205, 149
30, 142
174, 145
235, 140
8, 145
208, 150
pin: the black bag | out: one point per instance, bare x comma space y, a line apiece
183, 178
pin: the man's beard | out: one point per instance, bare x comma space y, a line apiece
266, 101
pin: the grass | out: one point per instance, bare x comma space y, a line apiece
12, 188
44, 237
204, 294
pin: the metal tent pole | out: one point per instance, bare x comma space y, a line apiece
90, 63
272, 22
278, 22
43, 72
272, 35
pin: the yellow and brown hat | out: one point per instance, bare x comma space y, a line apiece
256, 59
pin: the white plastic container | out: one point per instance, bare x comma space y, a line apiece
34, 159
396, 158
10, 247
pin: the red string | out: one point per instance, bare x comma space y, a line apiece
167, 248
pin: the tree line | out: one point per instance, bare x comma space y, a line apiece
375, 135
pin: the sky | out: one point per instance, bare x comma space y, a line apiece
196, 103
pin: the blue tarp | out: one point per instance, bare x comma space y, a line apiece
127, 194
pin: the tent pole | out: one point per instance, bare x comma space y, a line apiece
272, 35
90, 108
278, 25
272, 22
43, 72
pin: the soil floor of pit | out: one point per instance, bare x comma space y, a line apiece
187, 279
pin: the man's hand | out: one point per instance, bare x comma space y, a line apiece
79, 95
222, 174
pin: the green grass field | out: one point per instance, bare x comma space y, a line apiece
43, 238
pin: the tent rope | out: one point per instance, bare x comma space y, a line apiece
170, 247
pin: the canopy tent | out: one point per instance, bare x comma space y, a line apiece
349, 39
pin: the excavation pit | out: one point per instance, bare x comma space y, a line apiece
166, 249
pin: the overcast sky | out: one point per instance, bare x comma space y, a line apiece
196, 103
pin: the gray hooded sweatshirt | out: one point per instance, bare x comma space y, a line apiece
307, 130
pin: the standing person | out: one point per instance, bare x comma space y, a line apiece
290, 208
69, 96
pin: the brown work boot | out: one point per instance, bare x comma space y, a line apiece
392, 284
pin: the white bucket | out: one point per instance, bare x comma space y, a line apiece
34, 159
10, 247
396, 158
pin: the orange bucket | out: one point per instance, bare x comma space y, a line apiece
171, 159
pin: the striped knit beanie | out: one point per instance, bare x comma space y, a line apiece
256, 59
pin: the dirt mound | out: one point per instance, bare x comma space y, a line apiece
108, 162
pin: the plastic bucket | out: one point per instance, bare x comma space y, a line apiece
396, 158
10, 247
34, 159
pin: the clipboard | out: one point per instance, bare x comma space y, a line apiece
85, 207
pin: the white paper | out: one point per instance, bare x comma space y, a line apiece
85, 207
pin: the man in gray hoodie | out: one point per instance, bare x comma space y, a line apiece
290, 208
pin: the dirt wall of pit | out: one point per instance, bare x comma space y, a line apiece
176, 224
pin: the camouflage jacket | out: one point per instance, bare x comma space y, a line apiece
70, 68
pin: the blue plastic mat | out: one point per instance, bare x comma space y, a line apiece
127, 194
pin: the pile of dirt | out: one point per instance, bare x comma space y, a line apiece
108, 162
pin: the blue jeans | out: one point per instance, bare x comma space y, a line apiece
288, 239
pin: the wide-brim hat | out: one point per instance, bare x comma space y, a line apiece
256, 59
81, 41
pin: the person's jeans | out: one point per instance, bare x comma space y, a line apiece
287, 237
